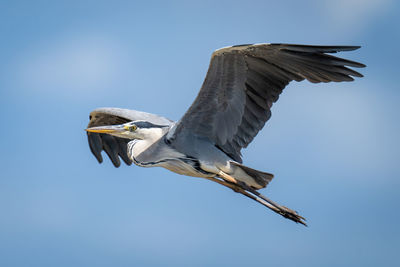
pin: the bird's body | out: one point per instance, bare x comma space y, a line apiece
234, 103
155, 153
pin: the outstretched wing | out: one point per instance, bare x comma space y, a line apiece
244, 81
116, 147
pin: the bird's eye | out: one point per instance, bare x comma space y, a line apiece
132, 128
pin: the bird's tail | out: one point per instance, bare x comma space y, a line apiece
259, 179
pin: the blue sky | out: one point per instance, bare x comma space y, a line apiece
333, 148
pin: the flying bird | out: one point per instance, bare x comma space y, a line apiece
234, 102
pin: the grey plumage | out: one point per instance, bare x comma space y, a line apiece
234, 103
243, 82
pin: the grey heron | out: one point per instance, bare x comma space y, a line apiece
233, 104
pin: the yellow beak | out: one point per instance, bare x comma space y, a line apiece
105, 129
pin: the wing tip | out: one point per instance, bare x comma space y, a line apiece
317, 48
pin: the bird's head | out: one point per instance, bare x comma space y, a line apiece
132, 130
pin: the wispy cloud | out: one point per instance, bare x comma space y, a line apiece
353, 14
72, 64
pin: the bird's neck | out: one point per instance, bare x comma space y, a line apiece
148, 138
